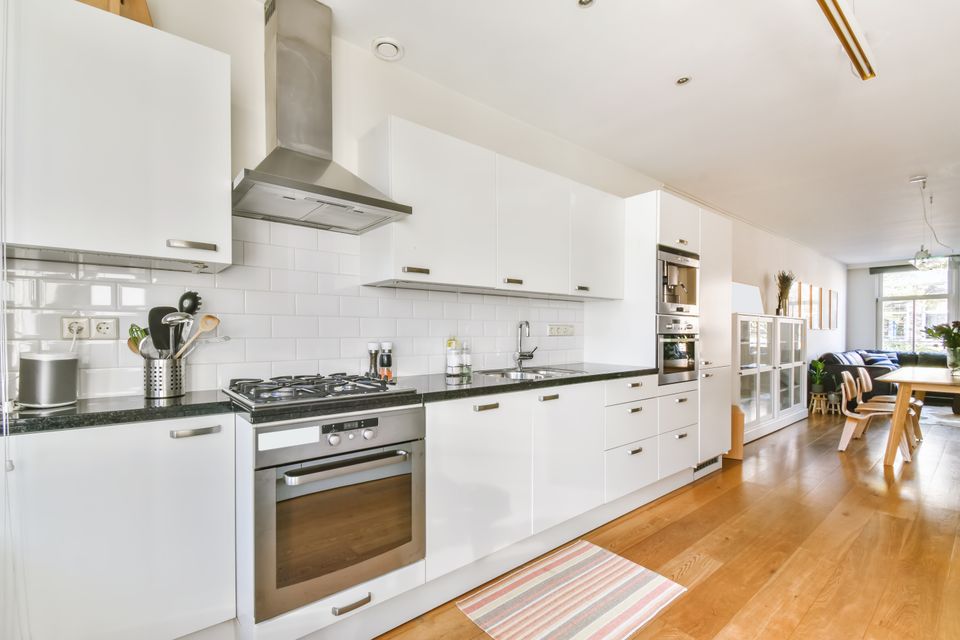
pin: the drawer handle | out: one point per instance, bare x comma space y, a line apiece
176, 434
421, 270
513, 281
682, 241
191, 244
707, 363
486, 407
680, 436
708, 375
636, 410
635, 451
680, 400
552, 396
581, 287
634, 385
353, 606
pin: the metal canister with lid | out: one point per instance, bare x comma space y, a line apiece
48, 379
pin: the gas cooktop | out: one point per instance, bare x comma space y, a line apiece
256, 393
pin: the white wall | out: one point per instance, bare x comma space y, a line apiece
862, 309
759, 254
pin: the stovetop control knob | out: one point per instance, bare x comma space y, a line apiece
333, 439
369, 434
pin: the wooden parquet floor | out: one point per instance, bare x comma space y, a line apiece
797, 541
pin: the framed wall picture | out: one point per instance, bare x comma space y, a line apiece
795, 303
814, 307
834, 309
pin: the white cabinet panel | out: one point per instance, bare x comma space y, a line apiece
596, 243
567, 453
678, 410
478, 478
629, 422
451, 236
126, 531
119, 137
533, 229
679, 223
678, 450
714, 412
630, 467
716, 278
621, 390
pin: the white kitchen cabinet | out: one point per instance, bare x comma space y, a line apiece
678, 410
451, 236
678, 223
715, 390
596, 243
478, 486
679, 450
629, 422
716, 281
533, 229
568, 448
126, 531
119, 138
630, 467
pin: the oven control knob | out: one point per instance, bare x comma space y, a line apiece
369, 434
333, 439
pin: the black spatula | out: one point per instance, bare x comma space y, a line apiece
159, 331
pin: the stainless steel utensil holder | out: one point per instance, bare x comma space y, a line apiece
162, 378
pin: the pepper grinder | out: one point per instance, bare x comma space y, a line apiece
373, 349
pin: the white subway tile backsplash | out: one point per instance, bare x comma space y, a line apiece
456, 311
20, 268
219, 352
360, 307
293, 281
318, 305
250, 230
443, 328
294, 368
270, 349
93, 354
413, 327
295, 327
220, 301
378, 327
99, 383
241, 277
192, 281
340, 327
483, 312
442, 296
145, 296
229, 371
318, 348
422, 309
288, 235
200, 377
396, 308
270, 303
350, 264
245, 325
76, 295
316, 261
265, 255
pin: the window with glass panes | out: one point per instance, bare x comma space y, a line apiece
911, 301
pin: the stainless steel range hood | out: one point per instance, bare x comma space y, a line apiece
298, 182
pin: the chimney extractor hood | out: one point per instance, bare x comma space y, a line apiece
298, 182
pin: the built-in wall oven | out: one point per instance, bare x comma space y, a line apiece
678, 281
678, 341
337, 501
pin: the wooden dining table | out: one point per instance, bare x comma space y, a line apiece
913, 382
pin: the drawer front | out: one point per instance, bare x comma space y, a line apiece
629, 468
364, 596
678, 410
629, 389
629, 422
678, 450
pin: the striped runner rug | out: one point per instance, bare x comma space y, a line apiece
581, 592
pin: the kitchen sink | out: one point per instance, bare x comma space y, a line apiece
529, 374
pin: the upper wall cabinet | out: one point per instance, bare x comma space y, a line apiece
533, 229
451, 185
119, 137
679, 223
596, 243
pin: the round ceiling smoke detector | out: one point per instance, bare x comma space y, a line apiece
387, 49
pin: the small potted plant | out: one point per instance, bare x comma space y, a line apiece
784, 284
949, 334
818, 372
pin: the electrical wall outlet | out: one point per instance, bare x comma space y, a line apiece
104, 328
71, 326
560, 329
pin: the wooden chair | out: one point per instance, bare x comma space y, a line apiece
865, 385
859, 418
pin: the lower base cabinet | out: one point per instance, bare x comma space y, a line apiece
126, 531
715, 394
630, 468
679, 450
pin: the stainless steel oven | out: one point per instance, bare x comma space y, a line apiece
678, 281
337, 501
678, 341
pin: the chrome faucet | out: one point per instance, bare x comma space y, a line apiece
521, 355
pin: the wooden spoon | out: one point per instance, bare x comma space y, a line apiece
207, 324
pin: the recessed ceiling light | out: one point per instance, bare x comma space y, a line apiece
387, 49
682, 80
586, 4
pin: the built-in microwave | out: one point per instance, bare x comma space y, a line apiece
678, 281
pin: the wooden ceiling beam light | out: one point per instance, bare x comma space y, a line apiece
851, 37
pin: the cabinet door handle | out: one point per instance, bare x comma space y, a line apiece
191, 244
513, 281
634, 385
636, 410
682, 241
708, 375
635, 451
353, 606
707, 363
190, 433
581, 287
680, 436
680, 400
552, 396
420, 270
486, 407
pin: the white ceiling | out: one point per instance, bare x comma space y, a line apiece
774, 128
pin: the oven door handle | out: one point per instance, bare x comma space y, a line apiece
679, 339
332, 470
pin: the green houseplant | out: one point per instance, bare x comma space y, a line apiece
949, 334
818, 372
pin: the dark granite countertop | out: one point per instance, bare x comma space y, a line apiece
428, 388
434, 388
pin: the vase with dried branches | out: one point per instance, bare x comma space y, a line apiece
785, 280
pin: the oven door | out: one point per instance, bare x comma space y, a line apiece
678, 281
324, 525
677, 358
